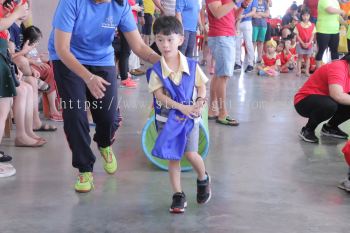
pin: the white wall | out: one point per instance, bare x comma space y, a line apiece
43, 11
279, 7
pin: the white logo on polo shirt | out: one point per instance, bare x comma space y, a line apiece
109, 23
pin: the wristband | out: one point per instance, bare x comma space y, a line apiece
198, 98
92, 77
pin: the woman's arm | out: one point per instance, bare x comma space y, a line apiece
140, 48
332, 10
219, 10
19, 12
337, 93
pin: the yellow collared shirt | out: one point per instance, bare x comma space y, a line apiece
176, 76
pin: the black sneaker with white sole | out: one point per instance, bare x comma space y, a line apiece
308, 135
249, 69
4, 158
203, 190
179, 203
237, 67
332, 131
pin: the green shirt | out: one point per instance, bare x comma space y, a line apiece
327, 23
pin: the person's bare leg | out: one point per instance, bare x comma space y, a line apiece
175, 175
221, 97
28, 122
21, 110
307, 66
36, 118
213, 103
5, 106
52, 103
260, 50
197, 163
300, 58
23, 65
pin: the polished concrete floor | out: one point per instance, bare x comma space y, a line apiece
264, 179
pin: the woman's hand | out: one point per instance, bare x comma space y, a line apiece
96, 86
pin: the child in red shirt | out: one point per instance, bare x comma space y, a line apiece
270, 60
287, 58
305, 32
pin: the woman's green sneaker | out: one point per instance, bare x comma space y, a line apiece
109, 160
85, 182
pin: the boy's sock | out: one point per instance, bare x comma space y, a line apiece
206, 177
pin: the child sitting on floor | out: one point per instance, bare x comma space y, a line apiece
178, 85
270, 61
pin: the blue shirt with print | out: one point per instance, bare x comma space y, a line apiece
92, 27
189, 10
249, 9
260, 8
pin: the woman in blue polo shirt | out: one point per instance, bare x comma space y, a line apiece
188, 13
81, 49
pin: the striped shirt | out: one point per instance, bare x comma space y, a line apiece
169, 7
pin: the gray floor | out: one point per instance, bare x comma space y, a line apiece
264, 178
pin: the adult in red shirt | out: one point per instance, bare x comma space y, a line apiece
325, 95
312, 5
222, 16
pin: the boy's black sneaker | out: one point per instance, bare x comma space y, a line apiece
249, 69
203, 190
4, 158
237, 67
179, 203
308, 135
333, 132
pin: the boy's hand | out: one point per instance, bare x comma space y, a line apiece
190, 111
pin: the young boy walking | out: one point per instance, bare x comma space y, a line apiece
178, 85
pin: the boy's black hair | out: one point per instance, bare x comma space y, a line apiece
305, 11
167, 25
32, 33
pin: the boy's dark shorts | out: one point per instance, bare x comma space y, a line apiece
147, 28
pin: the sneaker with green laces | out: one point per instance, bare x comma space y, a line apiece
109, 160
85, 182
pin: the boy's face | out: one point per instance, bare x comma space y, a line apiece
168, 44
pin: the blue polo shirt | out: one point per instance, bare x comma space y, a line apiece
249, 9
189, 10
92, 27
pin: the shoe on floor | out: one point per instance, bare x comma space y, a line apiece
237, 67
308, 135
128, 83
179, 203
6, 170
249, 69
4, 158
137, 72
345, 185
203, 190
109, 160
84, 183
333, 132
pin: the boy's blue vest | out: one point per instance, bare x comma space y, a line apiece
172, 139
